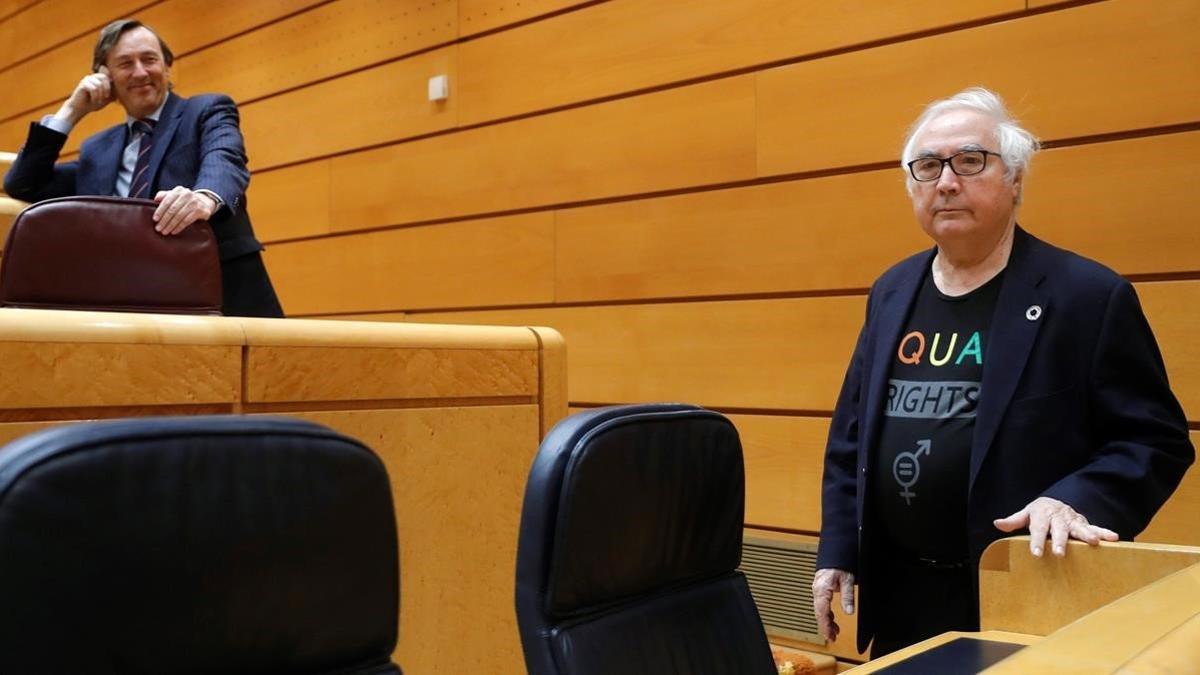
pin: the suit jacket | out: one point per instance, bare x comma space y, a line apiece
197, 144
1075, 405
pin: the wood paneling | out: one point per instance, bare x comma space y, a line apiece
784, 458
458, 481
389, 102
1105, 201
48, 23
46, 78
835, 232
786, 354
687, 136
329, 40
50, 375
789, 354
477, 16
1170, 307
11, 431
8, 8
184, 24
1056, 70
627, 45
188, 25
1101, 200
290, 374
1176, 522
290, 203
501, 261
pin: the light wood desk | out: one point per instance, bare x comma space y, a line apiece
1153, 630
455, 412
937, 641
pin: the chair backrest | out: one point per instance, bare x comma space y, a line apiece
196, 545
103, 253
630, 539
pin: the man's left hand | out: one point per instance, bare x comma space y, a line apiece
180, 207
1044, 515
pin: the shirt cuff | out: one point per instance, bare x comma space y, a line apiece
55, 124
216, 197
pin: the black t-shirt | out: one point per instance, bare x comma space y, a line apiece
920, 469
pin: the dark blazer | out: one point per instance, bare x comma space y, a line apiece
197, 144
1075, 406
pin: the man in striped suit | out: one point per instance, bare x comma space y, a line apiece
184, 153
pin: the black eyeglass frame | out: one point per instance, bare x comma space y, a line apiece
948, 161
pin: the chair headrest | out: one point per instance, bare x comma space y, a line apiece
629, 499
103, 253
196, 544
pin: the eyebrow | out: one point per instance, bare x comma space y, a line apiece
962, 148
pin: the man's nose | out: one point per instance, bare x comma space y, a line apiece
948, 181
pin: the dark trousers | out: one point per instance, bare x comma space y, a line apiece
916, 600
247, 288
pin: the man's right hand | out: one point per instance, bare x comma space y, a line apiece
91, 94
826, 582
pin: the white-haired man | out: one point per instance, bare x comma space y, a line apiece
999, 384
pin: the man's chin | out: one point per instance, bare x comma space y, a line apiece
140, 106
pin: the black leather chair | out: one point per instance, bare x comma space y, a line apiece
631, 534
196, 545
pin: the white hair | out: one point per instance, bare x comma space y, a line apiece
1017, 145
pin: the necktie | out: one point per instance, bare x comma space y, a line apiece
140, 185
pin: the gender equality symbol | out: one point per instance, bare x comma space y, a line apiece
906, 469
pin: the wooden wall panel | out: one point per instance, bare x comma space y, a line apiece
1057, 70
842, 231
604, 150
185, 24
329, 40
9, 8
743, 240
457, 569
290, 203
1176, 522
389, 102
1106, 202
784, 458
500, 261
785, 354
46, 78
627, 45
189, 25
478, 16
48, 23
1170, 306
788, 354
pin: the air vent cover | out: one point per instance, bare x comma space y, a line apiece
780, 574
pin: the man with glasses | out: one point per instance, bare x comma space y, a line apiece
999, 385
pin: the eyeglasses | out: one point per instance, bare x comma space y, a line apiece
965, 163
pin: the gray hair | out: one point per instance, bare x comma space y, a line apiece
111, 34
1017, 145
